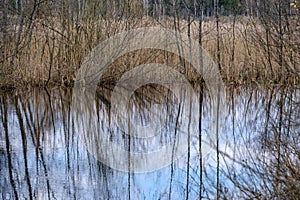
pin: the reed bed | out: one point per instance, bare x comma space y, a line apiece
56, 49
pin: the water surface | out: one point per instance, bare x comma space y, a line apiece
43, 157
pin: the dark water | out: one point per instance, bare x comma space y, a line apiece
42, 155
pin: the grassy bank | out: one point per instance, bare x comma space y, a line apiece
53, 50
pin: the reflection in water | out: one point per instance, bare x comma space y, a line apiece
42, 157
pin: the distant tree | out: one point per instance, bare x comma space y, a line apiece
229, 6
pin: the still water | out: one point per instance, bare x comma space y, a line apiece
44, 156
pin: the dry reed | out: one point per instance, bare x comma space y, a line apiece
54, 53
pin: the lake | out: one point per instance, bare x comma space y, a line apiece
50, 151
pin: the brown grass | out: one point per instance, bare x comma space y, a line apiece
57, 51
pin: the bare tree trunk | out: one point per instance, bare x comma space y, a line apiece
4, 33
218, 33
19, 33
200, 32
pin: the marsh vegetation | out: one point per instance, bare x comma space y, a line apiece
256, 46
